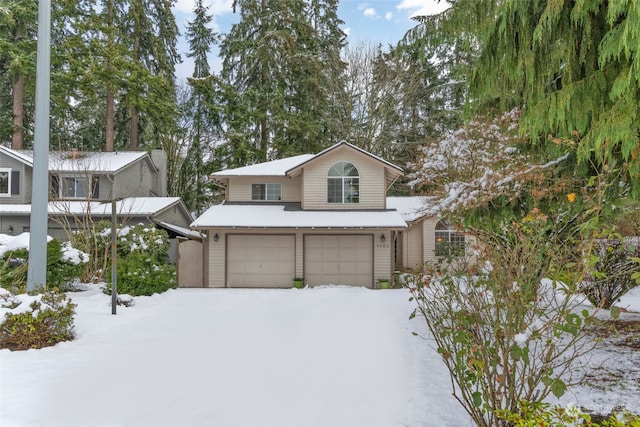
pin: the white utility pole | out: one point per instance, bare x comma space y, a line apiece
37, 271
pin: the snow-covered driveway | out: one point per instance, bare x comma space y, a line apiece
325, 357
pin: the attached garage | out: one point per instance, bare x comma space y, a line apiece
260, 261
338, 259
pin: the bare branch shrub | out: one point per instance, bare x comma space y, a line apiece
508, 327
615, 262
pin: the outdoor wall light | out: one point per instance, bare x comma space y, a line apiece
215, 237
382, 238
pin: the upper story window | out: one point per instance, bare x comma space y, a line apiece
270, 191
449, 241
5, 182
75, 187
343, 183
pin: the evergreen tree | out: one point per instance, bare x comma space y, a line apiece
280, 59
18, 19
149, 31
200, 113
572, 66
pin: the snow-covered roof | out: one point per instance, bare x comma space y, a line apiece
411, 208
276, 216
89, 161
180, 230
137, 206
281, 167
272, 168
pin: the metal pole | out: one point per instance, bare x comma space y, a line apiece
37, 270
114, 287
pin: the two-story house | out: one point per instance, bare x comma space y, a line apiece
82, 187
322, 217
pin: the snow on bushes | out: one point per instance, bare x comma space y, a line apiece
35, 321
64, 263
142, 264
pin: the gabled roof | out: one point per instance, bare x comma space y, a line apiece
290, 165
341, 144
87, 161
277, 216
272, 168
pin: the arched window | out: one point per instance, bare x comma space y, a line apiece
343, 183
449, 241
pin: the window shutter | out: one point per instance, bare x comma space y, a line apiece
55, 187
15, 183
95, 187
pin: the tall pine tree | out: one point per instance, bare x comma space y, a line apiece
278, 62
200, 113
574, 67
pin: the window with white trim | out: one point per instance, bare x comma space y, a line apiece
5, 182
343, 183
271, 191
449, 241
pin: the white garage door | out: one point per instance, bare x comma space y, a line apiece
338, 260
260, 261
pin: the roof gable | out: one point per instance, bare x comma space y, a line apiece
390, 167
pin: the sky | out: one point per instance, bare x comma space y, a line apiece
376, 21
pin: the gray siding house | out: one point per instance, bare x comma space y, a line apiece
83, 185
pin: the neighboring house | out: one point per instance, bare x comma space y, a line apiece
323, 217
82, 186
426, 239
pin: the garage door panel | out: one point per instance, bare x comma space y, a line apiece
260, 261
344, 260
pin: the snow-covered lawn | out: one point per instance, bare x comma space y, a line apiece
321, 357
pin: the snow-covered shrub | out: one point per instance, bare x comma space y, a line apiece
142, 264
64, 267
37, 321
483, 162
616, 264
505, 326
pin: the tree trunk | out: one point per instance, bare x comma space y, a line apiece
17, 135
109, 120
133, 136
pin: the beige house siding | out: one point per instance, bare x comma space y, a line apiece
382, 257
299, 255
216, 258
429, 237
216, 252
372, 181
240, 188
413, 245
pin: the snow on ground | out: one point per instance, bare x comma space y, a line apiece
319, 357
325, 357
